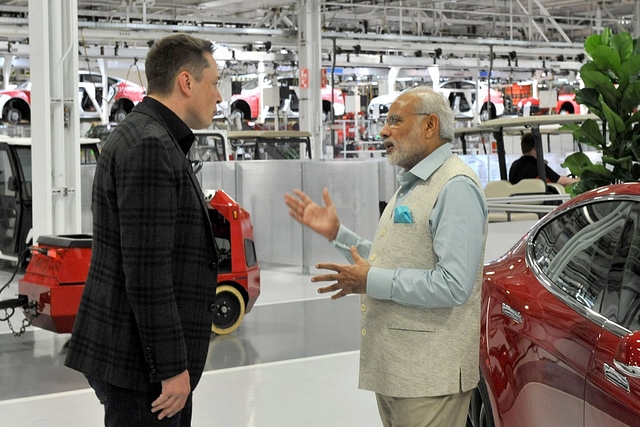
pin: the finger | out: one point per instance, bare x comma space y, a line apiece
302, 196
328, 266
324, 278
331, 288
160, 403
355, 254
327, 200
171, 406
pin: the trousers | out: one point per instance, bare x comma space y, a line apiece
132, 408
438, 411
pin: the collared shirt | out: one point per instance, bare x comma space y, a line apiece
176, 127
460, 210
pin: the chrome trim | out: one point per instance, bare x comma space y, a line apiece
632, 371
511, 313
616, 377
590, 314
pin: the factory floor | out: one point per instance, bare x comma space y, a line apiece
293, 362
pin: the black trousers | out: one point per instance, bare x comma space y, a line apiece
132, 408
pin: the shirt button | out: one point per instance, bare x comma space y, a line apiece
364, 332
383, 232
372, 257
363, 307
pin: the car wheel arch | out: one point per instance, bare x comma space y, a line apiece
19, 105
243, 107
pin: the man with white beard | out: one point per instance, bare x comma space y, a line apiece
420, 277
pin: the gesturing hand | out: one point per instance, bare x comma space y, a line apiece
350, 279
175, 391
322, 220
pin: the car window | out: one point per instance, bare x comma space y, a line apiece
580, 251
621, 302
6, 174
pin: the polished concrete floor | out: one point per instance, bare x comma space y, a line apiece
293, 362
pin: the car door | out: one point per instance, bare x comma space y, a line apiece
547, 322
612, 396
11, 207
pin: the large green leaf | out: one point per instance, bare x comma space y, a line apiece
628, 72
598, 174
635, 149
607, 59
630, 100
577, 163
590, 98
617, 161
636, 46
623, 43
594, 78
588, 133
591, 43
615, 123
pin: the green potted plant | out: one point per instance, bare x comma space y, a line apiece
611, 92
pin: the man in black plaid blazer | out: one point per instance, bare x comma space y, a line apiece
142, 331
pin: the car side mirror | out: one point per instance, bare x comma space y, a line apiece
627, 358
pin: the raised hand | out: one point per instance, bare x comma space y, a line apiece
322, 220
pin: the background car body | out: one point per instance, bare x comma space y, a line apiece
559, 312
122, 96
462, 99
248, 101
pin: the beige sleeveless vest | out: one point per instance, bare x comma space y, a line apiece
411, 351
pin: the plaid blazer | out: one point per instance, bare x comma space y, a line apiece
145, 313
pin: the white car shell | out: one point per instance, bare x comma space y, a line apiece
460, 93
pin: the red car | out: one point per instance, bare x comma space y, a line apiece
566, 103
560, 323
53, 282
122, 96
247, 103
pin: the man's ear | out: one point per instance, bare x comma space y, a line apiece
432, 125
184, 81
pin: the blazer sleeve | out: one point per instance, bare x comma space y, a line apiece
148, 185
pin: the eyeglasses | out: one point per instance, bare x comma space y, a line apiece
394, 121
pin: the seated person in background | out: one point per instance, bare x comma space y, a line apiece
527, 165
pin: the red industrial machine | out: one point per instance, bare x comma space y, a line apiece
52, 285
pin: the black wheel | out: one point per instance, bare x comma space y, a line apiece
484, 112
119, 115
12, 115
229, 310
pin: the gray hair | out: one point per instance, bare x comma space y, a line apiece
434, 103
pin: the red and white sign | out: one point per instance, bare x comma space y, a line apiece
304, 78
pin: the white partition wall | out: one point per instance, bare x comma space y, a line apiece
260, 188
219, 176
353, 187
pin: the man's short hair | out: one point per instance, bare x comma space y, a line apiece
527, 143
172, 55
431, 102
